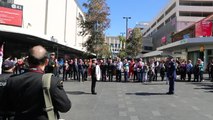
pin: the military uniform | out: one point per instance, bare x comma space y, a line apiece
24, 95
94, 79
171, 74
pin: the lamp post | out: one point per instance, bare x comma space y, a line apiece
127, 18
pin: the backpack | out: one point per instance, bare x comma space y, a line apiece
46, 82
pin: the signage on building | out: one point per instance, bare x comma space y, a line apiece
11, 14
203, 28
163, 39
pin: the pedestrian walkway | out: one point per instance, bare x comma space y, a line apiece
137, 101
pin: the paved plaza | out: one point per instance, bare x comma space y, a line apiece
137, 101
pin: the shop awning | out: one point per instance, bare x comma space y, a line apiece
155, 54
186, 43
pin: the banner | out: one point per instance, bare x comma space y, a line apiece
203, 28
11, 14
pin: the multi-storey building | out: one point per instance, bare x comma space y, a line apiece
175, 18
51, 23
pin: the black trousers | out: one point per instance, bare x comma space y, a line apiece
189, 76
76, 75
171, 85
118, 75
110, 75
93, 84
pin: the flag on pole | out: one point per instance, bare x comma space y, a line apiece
1, 56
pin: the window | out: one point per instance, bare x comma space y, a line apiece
8, 1
147, 48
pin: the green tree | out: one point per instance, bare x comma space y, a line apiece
94, 24
104, 51
134, 43
122, 40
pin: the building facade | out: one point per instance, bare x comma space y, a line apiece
115, 44
179, 16
52, 23
176, 16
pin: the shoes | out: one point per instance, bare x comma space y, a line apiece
94, 93
170, 93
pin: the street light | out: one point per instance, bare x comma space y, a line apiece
127, 18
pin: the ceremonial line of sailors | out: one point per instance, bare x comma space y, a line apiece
133, 70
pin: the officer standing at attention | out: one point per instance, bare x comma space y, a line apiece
24, 92
171, 74
94, 79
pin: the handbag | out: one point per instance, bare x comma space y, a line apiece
46, 80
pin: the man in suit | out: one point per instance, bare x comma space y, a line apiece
75, 69
171, 74
94, 77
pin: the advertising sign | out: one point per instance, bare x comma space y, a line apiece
203, 28
163, 40
11, 14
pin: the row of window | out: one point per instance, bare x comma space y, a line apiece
115, 45
8, 1
183, 3
115, 50
196, 3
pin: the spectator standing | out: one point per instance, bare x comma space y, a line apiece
81, 70
119, 66
201, 69
126, 70
189, 70
65, 70
110, 69
75, 69
28, 92
8, 69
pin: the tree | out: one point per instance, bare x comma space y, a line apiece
122, 40
105, 51
134, 43
96, 21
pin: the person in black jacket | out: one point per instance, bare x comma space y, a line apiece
171, 74
8, 69
24, 93
110, 69
75, 69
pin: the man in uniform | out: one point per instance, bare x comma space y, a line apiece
24, 93
171, 74
93, 74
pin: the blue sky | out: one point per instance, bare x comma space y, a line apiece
138, 10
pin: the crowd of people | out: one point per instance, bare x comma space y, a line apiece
19, 74
126, 70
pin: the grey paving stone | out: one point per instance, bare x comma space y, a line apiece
134, 118
122, 113
143, 102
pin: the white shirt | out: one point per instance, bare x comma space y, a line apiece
98, 72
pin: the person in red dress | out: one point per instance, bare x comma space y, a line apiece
131, 68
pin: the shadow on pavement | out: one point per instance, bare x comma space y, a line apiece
145, 93
204, 85
76, 92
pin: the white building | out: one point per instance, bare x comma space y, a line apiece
114, 43
49, 22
